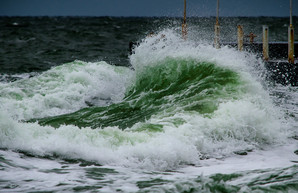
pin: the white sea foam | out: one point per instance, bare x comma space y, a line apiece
169, 44
64, 89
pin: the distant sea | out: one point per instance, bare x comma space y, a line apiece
81, 112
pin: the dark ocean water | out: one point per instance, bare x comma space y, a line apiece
30, 44
79, 113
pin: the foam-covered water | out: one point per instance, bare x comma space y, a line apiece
185, 118
63, 89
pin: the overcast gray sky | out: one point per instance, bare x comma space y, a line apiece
145, 7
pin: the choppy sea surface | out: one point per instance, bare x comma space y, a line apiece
80, 112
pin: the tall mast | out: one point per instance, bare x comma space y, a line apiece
184, 30
216, 28
291, 19
291, 38
217, 12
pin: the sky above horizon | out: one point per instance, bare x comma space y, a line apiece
171, 8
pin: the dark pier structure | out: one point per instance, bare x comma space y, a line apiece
279, 57
280, 69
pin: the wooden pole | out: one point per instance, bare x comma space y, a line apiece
291, 45
217, 12
240, 37
265, 43
291, 19
184, 30
217, 28
291, 38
